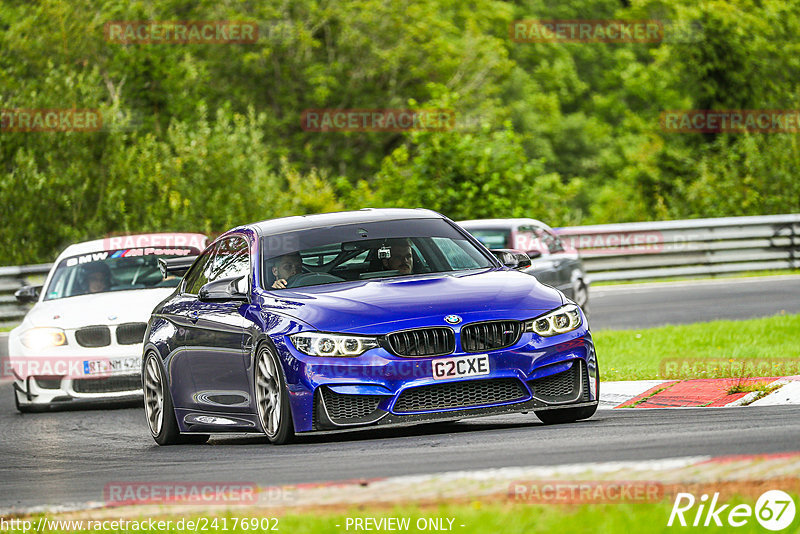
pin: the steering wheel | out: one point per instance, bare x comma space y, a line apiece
312, 279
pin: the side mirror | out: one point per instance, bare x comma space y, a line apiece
27, 294
533, 254
175, 266
512, 258
224, 290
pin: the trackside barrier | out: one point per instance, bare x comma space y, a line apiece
11, 279
691, 248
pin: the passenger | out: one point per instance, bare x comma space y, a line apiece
401, 258
285, 267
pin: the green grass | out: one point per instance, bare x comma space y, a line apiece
746, 274
717, 349
505, 518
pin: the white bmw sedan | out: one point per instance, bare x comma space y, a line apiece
81, 343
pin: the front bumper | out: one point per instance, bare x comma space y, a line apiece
53, 390
381, 391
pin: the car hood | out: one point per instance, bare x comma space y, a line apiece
75, 312
380, 306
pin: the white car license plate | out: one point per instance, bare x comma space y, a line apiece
112, 366
461, 366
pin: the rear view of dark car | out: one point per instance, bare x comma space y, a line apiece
553, 261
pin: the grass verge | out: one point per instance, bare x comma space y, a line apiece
767, 346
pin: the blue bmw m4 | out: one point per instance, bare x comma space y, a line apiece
357, 319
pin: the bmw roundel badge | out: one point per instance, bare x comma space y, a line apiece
452, 319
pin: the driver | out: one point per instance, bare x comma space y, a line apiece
401, 259
97, 277
284, 268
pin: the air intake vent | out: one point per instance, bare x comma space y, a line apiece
112, 384
350, 409
131, 333
423, 342
480, 337
562, 387
460, 395
93, 336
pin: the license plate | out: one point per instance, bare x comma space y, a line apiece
112, 366
461, 366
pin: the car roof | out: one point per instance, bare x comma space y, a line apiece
500, 223
321, 220
168, 239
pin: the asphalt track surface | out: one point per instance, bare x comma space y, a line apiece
66, 458
661, 303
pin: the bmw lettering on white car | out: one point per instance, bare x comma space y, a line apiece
82, 340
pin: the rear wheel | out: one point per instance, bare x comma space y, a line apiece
159, 409
271, 398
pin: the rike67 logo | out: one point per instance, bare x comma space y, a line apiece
774, 510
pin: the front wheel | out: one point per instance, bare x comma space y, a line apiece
272, 399
158, 406
565, 415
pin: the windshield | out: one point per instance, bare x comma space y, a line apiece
491, 238
367, 251
111, 270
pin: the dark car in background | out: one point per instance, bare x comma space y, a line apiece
553, 261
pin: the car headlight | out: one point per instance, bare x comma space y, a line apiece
322, 344
561, 320
43, 338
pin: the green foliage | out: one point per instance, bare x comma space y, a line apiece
203, 137
472, 175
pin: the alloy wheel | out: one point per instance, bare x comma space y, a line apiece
268, 393
154, 395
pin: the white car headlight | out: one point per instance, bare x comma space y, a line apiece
322, 344
43, 338
561, 320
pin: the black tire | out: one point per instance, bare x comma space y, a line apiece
269, 384
154, 385
565, 415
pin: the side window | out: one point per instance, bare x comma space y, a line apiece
456, 256
199, 274
552, 241
232, 259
